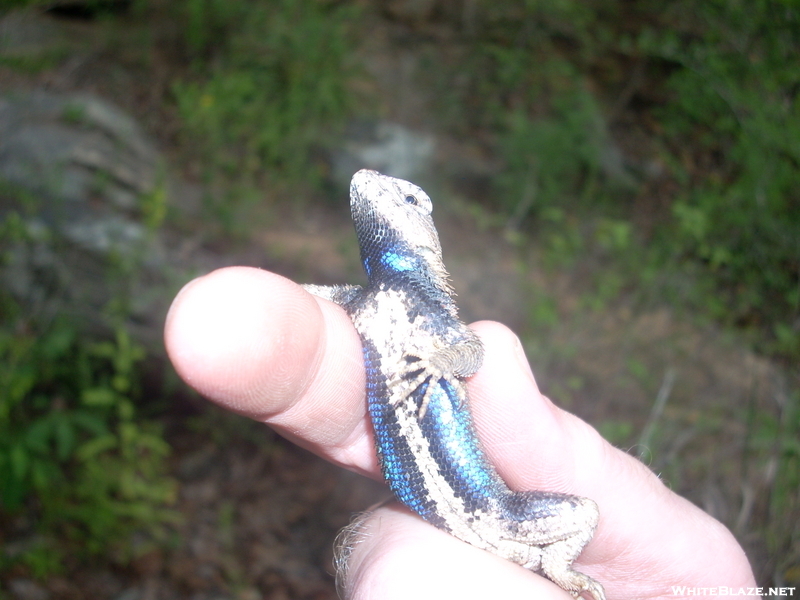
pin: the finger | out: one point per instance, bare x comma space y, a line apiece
517, 423
258, 344
644, 527
394, 554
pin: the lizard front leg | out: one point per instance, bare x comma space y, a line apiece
450, 364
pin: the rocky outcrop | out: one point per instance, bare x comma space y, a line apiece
81, 192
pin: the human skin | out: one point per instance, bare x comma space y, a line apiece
258, 344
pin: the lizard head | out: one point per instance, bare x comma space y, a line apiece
395, 229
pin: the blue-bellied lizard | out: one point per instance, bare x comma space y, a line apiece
417, 354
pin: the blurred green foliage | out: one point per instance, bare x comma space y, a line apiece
268, 83
69, 435
724, 117
77, 463
70, 440
735, 99
552, 157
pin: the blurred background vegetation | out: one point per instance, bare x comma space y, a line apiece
651, 148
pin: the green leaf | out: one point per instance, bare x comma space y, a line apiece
37, 436
64, 437
98, 397
90, 422
20, 461
44, 474
96, 446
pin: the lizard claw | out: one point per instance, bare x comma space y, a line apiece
424, 372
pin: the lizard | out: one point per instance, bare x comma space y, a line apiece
417, 355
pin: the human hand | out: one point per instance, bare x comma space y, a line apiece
258, 344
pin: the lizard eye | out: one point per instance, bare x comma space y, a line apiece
411, 199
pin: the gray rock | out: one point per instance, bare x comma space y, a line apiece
73, 149
25, 589
27, 32
386, 147
78, 172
